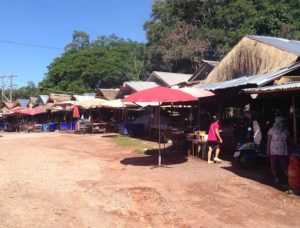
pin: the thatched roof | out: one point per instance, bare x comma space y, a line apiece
32, 102
91, 103
250, 57
10, 105
286, 79
56, 98
108, 94
81, 97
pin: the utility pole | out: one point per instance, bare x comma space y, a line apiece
11, 85
3, 97
2, 88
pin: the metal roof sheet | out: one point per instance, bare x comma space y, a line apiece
23, 102
226, 84
140, 85
249, 80
210, 62
292, 46
274, 88
44, 98
169, 78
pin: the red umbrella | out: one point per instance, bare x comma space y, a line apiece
17, 109
161, 95
31, 111
76, 113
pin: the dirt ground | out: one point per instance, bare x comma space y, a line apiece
67, 180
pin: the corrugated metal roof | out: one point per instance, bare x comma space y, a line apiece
226, 84
210, 62
269, 77
292, 46
274, 88
23, 102
168, 78
140, 85
44, 98
249, 80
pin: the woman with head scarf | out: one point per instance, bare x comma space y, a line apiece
277, 146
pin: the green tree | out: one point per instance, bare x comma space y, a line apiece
107, 62
24, 92
182, 32
80, 41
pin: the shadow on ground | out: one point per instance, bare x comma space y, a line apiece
150, 158
109, 136
260, 173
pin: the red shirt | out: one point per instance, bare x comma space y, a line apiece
212, 132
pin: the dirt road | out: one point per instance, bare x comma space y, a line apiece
67, 180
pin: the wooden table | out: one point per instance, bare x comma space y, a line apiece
95, 127
200, 143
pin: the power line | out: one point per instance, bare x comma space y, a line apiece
30, 45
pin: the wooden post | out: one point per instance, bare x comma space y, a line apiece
159, 154
125, 117
220, 110
91, 119
294, 120
198, 113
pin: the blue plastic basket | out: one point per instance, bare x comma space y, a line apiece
45, 127
73, 126
63, 126
52, 126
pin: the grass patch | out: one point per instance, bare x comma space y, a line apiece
123, 140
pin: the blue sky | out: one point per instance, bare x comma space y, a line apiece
52, 22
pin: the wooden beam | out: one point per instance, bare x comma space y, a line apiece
294, 120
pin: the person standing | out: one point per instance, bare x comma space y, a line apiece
213, 141
277, 147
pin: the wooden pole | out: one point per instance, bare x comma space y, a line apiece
220, 110
159, 155
294, 120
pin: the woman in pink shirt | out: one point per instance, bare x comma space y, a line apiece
213, 140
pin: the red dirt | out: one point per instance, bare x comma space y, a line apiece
67, 180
